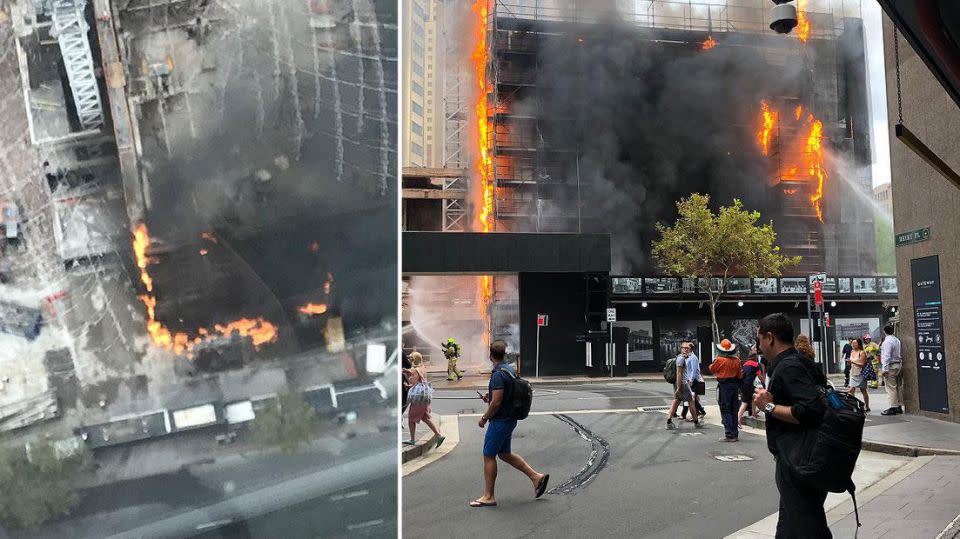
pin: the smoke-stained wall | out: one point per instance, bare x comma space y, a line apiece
630, 120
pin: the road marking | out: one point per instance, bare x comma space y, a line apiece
367, 524
645, 397
215, 524
347, 496
568, 412
732, 458
643, 409
691, 434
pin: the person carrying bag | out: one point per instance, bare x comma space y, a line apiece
419, 397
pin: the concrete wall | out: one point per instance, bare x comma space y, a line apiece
923, 198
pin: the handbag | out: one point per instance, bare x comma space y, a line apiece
868, 371
419, 394
699, 387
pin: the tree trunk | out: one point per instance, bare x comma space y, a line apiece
713, 321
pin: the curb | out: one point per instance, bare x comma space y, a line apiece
422, 447
889, 448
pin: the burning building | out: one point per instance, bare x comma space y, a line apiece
598, 119
593, 118
262, 146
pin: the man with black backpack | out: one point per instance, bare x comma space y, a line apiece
794, 408
508, 400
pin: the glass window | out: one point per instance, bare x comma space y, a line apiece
417, 68
417, 89
417, 109
416, 128
416, 149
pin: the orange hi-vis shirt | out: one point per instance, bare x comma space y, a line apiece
726, 367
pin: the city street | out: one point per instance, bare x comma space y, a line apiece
615, 471
252, 490
696, 494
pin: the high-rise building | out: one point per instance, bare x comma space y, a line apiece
600, 126
883, 195
423, 54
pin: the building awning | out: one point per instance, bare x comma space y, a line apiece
932, 28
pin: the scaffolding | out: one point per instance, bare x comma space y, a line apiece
70, 29
531, 173
455, 211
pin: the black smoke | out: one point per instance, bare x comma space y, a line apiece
650, 117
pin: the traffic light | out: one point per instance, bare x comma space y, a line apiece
783, 16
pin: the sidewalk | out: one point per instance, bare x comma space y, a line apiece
906, 434
925, 503
478, 380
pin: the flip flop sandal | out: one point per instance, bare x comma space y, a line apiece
542, 487
478, 503
409, 442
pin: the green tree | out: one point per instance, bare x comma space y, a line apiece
886, 257
703, 244
288, 422
40, 487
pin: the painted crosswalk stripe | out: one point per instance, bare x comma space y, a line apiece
367, 524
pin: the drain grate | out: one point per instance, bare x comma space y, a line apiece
652, 408
732, 458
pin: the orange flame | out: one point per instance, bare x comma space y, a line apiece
803, 23
484, 161
709, 43
814, 161
770, 118
259, 330
141, 240
313, 308
805, 162
318, 308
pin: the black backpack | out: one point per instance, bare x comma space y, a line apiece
826, 456
670, 370
521, 397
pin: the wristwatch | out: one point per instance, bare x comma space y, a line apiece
769, 407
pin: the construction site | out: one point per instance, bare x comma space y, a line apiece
197, 198
569, 117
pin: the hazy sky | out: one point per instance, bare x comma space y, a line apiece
873, 26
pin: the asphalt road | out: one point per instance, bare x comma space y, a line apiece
616, 395
365, 510
241, 488
654, 483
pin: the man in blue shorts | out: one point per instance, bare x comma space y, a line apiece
496, 443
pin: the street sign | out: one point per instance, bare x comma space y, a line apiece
542, 320
913, 236
818, 278
611, 314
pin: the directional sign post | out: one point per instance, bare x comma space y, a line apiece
542, 321
611, 356
816, 283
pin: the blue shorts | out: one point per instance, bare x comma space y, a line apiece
499, 434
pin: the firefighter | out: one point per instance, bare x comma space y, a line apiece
451, 350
